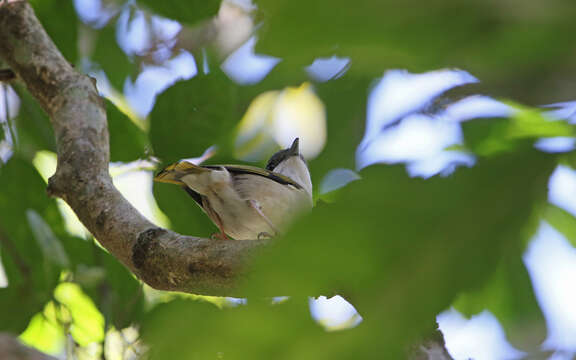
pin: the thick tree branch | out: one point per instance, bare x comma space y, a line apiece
161, 258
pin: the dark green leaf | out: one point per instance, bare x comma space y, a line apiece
404, 248
127, 141
61, 23
185, 215
32, 275
256, 331
112, 58
121, 298
479, 36
49, 244
510, 297
193, 115
33, 125
189, 12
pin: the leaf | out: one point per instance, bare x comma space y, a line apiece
255, 331
189, 12
509, 295
528, 122
48, 242
61, 23
32, 275
108, 54
127, 141
403, 247
418, 36
87, 322
561, 220
193, 115
185, 215
34, 129
112, 288
44, 333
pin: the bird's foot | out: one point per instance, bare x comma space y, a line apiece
264, 235
219, 236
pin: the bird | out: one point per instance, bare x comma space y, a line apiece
247, 202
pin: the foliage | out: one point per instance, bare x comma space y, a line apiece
401, 249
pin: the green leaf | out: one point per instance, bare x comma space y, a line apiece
186, 217
406, 247
87, 322
108, 54
487, 137
32, 274
34, 129
112, 288
61, 23
528, 122
193, 115
189, 12
48, 242
561, 220
418, 36
255, 331
128, 142
509, 295
44, 333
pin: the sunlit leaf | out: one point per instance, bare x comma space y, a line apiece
275, 118
44, 333
532, 123
87, 322
562, 221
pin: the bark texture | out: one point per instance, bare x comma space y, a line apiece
161, 258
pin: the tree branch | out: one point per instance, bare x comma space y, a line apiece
163, 259
12, 349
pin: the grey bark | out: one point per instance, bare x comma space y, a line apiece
161, 258
12, 349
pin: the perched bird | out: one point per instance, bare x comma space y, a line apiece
247, 202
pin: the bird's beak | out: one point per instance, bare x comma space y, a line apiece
294, 148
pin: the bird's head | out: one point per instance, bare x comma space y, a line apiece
289, 162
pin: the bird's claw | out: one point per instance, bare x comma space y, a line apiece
219, 236
263, 235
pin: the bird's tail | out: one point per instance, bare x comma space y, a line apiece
172, 174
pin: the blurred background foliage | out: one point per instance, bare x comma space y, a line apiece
401, 239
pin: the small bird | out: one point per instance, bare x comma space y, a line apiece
247, 202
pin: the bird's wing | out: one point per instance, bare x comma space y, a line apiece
253, 170
173, 173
